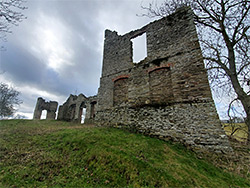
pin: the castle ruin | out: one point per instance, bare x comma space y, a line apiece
166, 95
72, 109
50, 107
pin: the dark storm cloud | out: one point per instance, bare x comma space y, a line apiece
21, 65
58, 49
81, 19
25, 69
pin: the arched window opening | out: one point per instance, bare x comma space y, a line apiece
82, 113
92, 109
71, 112
120, 94
160, 85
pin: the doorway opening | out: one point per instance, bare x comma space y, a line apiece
44, 114
92, 109
82, 112
83, 115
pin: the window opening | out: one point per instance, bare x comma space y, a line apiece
139, 48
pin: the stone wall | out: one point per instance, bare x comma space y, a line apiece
41, 105
167, 94
196, 125
172, 44
72, 109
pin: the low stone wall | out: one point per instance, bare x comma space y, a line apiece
195, 125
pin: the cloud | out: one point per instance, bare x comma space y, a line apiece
58, 50
52, 35
21, 65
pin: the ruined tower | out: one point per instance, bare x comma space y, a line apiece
41, 105
167, 94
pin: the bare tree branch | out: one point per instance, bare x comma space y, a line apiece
224, 33
8, 99
10, 14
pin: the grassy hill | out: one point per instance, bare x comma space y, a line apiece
59, 154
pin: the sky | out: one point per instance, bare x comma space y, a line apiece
57, 50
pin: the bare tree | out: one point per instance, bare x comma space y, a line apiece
8, 99
224, 33
10, 15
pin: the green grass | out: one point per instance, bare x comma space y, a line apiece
58, 154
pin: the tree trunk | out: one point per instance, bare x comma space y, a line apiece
241, 94
245, 100
246, 106
248, 125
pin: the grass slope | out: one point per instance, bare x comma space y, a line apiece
53, 153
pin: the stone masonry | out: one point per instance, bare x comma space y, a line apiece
41, 105
72, 109
165, 95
